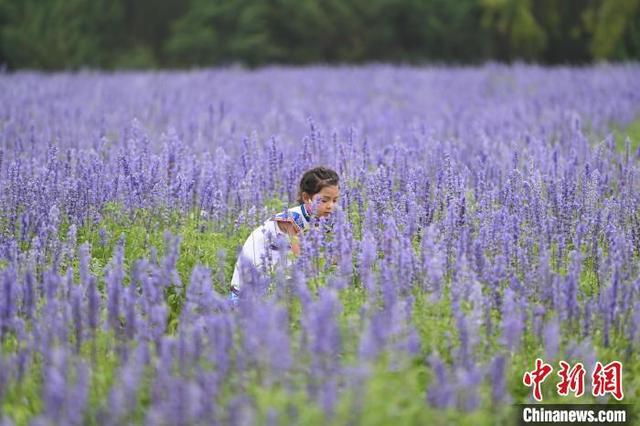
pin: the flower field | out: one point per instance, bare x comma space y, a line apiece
488, 216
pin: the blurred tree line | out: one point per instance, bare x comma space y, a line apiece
57, 34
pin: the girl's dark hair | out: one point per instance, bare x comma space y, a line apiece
313, 180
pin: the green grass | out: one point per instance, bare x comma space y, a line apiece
631, 131
144, 230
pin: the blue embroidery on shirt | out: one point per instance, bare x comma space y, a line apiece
297, 218
304, 212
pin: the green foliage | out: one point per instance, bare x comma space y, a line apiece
202, 35
276, 399
144, 230
22, 398
632, 131
517, 31
58, 34
104, 366
610, 22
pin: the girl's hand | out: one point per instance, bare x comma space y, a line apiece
291, 230
295, 245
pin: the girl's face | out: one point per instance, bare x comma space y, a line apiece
324, 202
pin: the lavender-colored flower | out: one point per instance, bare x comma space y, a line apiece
440, 392
498, 379
77, 315
552, 338
123, 395
512, 324
467, 380
114, 284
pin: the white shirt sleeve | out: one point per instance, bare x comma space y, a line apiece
255, 249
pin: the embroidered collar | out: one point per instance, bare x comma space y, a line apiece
304, 212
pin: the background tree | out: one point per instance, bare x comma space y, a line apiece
58, 34
615, 25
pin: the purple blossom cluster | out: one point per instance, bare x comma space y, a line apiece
484, 212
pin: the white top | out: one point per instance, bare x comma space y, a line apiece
261, 242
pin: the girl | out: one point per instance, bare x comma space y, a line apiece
318, 196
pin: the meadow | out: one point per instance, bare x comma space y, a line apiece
488, 216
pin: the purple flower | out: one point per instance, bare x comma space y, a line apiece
440, 391
551, 338
498, 379
512, 324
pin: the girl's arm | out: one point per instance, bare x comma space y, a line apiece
291, 230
